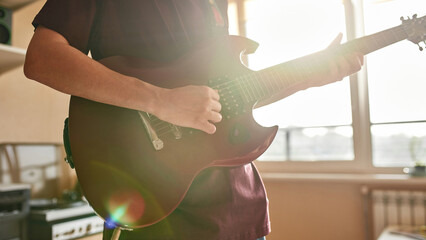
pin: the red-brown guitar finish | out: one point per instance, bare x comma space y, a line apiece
122, 176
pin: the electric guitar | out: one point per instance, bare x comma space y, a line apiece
135, 169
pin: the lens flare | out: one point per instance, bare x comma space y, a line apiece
127, 191
126, 207
110, 224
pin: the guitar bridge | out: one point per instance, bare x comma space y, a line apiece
157, 143
177, 132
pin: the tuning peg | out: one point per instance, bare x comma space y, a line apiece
420, 47
403, 18
414, 16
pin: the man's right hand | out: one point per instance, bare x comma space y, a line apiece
52, 61
190, 106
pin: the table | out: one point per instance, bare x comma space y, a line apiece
403, 233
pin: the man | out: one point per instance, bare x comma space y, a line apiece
222, 203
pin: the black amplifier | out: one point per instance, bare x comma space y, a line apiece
5, 25
14, 210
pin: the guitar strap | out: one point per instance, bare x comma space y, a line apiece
66, 139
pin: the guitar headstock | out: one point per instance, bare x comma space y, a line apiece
415, 28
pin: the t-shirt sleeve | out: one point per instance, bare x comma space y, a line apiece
73, 19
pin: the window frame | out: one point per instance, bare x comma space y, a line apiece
361, 124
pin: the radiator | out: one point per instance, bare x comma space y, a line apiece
387, 207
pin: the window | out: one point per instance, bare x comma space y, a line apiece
396, 80
330, 126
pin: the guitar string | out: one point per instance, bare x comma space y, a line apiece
248, 81
360, 45
163, 127
233, 90
244, 86
397, 31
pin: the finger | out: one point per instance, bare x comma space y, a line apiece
216, 106
215, 117
214, 94
208, 127
337, 40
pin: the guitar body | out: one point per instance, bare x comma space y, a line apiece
125, 179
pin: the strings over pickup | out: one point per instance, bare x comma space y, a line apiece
232, 97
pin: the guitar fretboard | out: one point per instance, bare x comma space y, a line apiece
241, 92
259, 85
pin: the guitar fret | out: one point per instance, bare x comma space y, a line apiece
276, 79
267, 86
375, 41
255, 88
258, 86
252, 86
244, 83
309, 69
300, 72
290, 73
261, 89
269, 82
276, 76
274, 82
247, 86
266, 78
242, 90
264, 83
261, 84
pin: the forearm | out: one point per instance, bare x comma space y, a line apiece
52, 61
58, 65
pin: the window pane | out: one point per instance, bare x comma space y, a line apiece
396, 74
286, 30
333, 143
399, 145
289, 29
278, 149
233, 18
312, 144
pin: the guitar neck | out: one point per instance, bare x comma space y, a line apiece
374, 42
260, 85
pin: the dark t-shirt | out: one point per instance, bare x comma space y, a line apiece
223, 202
